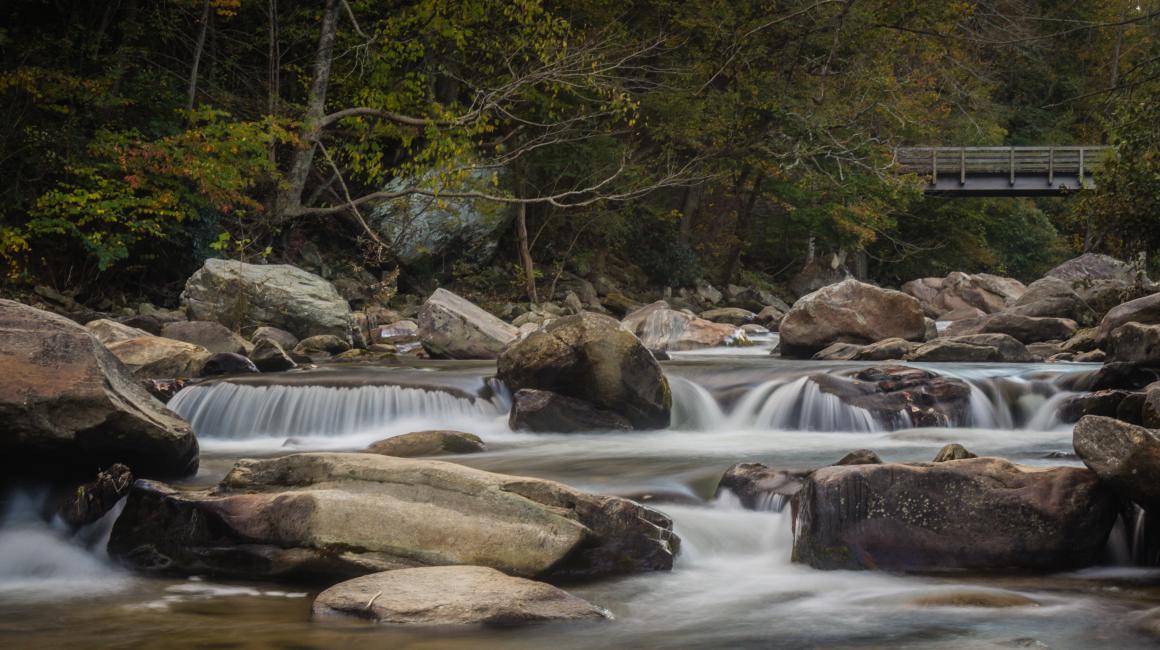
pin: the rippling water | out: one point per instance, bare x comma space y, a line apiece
732, 586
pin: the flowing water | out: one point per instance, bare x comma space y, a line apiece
733, 584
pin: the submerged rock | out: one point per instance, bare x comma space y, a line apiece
241, 295
543, 411
455, 328
952, 451
982, 514
67, 403
1124, 455
428, 443
452, 595
90, 502
588, 357
852, 312
335, 515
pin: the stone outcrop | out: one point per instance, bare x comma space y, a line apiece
1124, 455
1135, 343
428, 443
973, 347
240, 295
67, 403
452, 595
590, 358
958, 295
212, 336
980, 514
1025, 329
156, 357
543, 411
850, 312
453, 327
332, 515
662, 329
110, 331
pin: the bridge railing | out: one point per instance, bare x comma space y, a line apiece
1078, 161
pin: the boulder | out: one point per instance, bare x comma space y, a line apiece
334, 516
1025, 329
269, 356
666, 330
959, 295
322, 344
730, 316
227, 363
759, 487
214, 337
952, 451
1135, 343
852, 312
67, 403
978, 514
1145, 311
975, 347
860, 457
887, 350
452, 595
110, 331
619, 304
838, 352
403, 331
753, 299
284, 339
770, 317
1124, 455
1094, 266
428, 443
240, 295
543, 411
453, 327
1083, 340
923, 397
150, 357
590, 358
1052, 297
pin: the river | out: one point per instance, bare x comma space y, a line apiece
732, 586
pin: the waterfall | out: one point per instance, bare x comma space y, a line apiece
801, 405
238, 411
694, 408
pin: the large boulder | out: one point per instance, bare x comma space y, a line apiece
240, 295
452, 595
156, 357
1025, 329
110, 331
1135, 343
851, 312
212, 336
589, 357
1145, 311
454, 327
1083, 289
67, 403
1124, 455
973, 347
331, 515
959, 294
980, 514
543, 411
662, 329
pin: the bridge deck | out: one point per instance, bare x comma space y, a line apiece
1002, 171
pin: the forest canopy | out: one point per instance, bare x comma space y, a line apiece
728, 141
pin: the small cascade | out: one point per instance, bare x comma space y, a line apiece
45, 561
239, 411
1015, 403
801, 405
694, 408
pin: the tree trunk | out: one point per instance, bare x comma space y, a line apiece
291, 198
205, 15
742, 230
689, 211
526, 253
274, 57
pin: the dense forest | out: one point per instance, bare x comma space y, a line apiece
496, 146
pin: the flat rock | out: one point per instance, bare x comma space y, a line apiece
428, 443
110, 331
452, 595
156, 357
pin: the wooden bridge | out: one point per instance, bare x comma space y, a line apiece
1002, 171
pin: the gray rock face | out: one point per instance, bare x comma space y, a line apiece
455, 328
981, 514
1145, 311
958, 294
452, 595
156, 357
284, 339
1135, 343
590, 358
269, 356
543, 411
730, 316
851, 312
336, 515
214, 337
428, 443
110, 331
1094, 266
1124, 455
240, 295
67, 402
